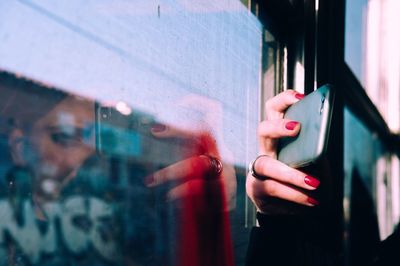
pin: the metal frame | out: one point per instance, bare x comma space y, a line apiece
320, 25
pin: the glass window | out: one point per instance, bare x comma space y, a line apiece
371, 190
114, 116
371, 51
356, 11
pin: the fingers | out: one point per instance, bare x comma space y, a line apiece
276, 189
278, 171
278, 128
275, 126
194, 176
192, 188
191, 168
281, 182
166, 131
276, 106
270, 130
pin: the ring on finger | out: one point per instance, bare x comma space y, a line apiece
252, 170
215, 165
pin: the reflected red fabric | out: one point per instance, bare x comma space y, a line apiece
205, 237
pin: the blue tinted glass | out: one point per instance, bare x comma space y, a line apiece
355, 36
117, 118
368, 199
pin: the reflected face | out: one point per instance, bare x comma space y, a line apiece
60, 142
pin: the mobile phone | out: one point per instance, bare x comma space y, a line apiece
130, 137
314, 113
127, 141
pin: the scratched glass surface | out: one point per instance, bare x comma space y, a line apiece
112, 114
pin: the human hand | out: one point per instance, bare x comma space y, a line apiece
202, 184
202, 170
278, 181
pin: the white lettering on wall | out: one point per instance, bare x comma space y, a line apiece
78, 238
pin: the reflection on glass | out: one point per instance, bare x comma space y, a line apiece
126, 128
121, 185
355, 36
382, 59
368, 191
371, 51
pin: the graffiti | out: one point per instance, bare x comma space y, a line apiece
79, 223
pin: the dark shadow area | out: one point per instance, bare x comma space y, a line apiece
364, 230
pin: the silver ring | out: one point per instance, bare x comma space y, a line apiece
253, 171
215, 164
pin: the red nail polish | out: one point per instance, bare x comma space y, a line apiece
311, 181
312, 201
158, 128
299, 96
148, 180
291, 125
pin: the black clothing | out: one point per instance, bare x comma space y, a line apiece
282, 240
286, 240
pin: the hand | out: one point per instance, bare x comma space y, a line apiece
197, 175
281, 181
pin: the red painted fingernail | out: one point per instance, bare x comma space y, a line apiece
158, 128
299, 96
311, 181
312, 201
291, 125
148, 180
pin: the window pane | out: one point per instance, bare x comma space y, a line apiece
114, 116
370, 190
356, 12
371, 51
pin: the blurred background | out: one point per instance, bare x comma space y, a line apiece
98, 96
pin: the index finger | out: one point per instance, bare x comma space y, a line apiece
276, 106
168, 131
274, 169
192, 168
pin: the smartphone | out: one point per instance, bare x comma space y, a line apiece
314, 113
127, 142
130, 137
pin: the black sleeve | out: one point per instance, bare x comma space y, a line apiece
389, 251
285, 241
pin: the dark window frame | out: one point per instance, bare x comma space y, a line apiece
323, 31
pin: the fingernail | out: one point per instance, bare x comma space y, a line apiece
158, 128
291, 125
299, 96
311, 181
312, 201
149, 180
